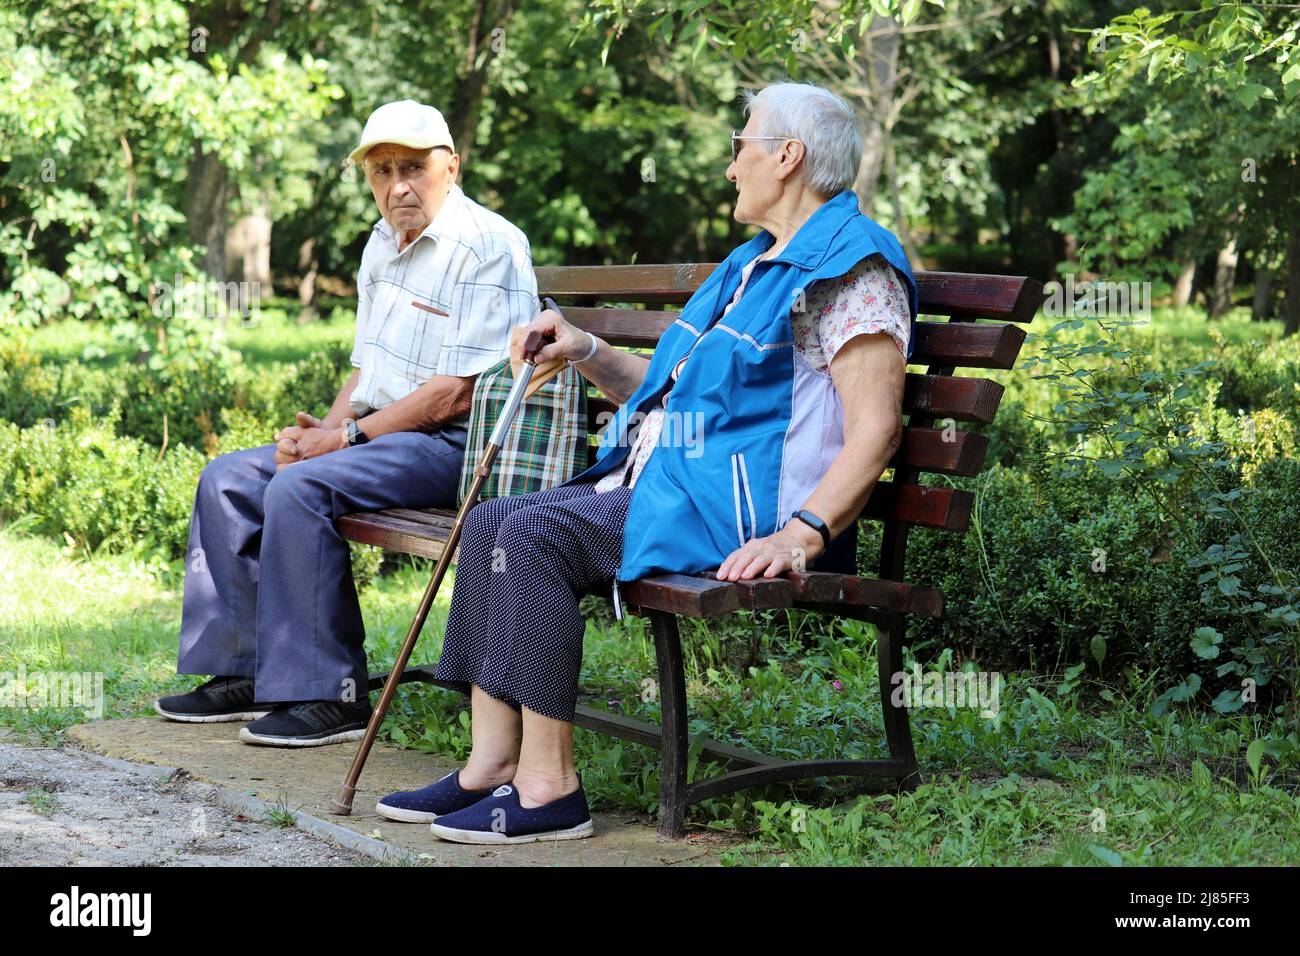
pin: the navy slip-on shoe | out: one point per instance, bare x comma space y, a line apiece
500, 818
429, 803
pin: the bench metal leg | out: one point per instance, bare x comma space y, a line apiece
898, 730
674, 741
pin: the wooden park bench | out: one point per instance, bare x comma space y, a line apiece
932, 397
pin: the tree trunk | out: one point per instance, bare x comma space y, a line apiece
1291, 304
1183, 285
1262, 305
878, 49
248, 247
900, 223
217, 24
1225, 277
309, 266
487, 34
205, 209
1066, 244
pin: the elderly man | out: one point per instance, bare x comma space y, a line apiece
270, 606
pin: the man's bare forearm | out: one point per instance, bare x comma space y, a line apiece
340, 411
616, 373
436, 402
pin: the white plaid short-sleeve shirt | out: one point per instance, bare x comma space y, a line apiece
444, 305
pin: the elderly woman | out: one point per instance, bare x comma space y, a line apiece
791, 355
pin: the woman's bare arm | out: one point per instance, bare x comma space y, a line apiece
616, 373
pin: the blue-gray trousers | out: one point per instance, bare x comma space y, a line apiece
268, 579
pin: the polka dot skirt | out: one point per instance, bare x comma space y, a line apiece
515, 628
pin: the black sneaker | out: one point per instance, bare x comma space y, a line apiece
309, 723
220, 699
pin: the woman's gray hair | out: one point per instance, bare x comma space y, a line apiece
822, 121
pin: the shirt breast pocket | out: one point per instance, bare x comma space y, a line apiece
424, 330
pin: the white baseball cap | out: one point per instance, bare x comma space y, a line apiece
405, 123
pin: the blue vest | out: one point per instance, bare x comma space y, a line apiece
749, 429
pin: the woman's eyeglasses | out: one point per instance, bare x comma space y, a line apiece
737, 140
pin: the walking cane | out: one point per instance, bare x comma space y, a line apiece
342, 804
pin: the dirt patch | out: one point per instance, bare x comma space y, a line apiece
65, 808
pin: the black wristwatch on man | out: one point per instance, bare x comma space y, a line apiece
355, 436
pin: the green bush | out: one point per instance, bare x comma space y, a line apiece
185, 399
1258, 375
92, 488
1171, 553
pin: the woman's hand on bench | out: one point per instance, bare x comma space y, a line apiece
793, 548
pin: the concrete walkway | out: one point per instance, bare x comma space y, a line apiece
307, 778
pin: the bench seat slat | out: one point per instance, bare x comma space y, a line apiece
422, 532
384, 530
690, 595
704, 596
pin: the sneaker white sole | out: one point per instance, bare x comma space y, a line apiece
249, 737
478, 836
209, 718
405, 816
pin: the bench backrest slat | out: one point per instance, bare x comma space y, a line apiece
928, 398
940, 396
961, 295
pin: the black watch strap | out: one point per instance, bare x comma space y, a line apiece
355, 435
816, 523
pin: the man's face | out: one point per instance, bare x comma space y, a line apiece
410, 185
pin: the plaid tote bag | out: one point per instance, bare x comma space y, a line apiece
546, 445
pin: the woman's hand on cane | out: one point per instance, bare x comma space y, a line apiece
565, 340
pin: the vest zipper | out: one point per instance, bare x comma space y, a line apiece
749, 498
735, 494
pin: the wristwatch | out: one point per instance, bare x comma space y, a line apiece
816, 523
355, 435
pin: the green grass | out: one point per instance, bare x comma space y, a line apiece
41, 801
1032, 786
282, 814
